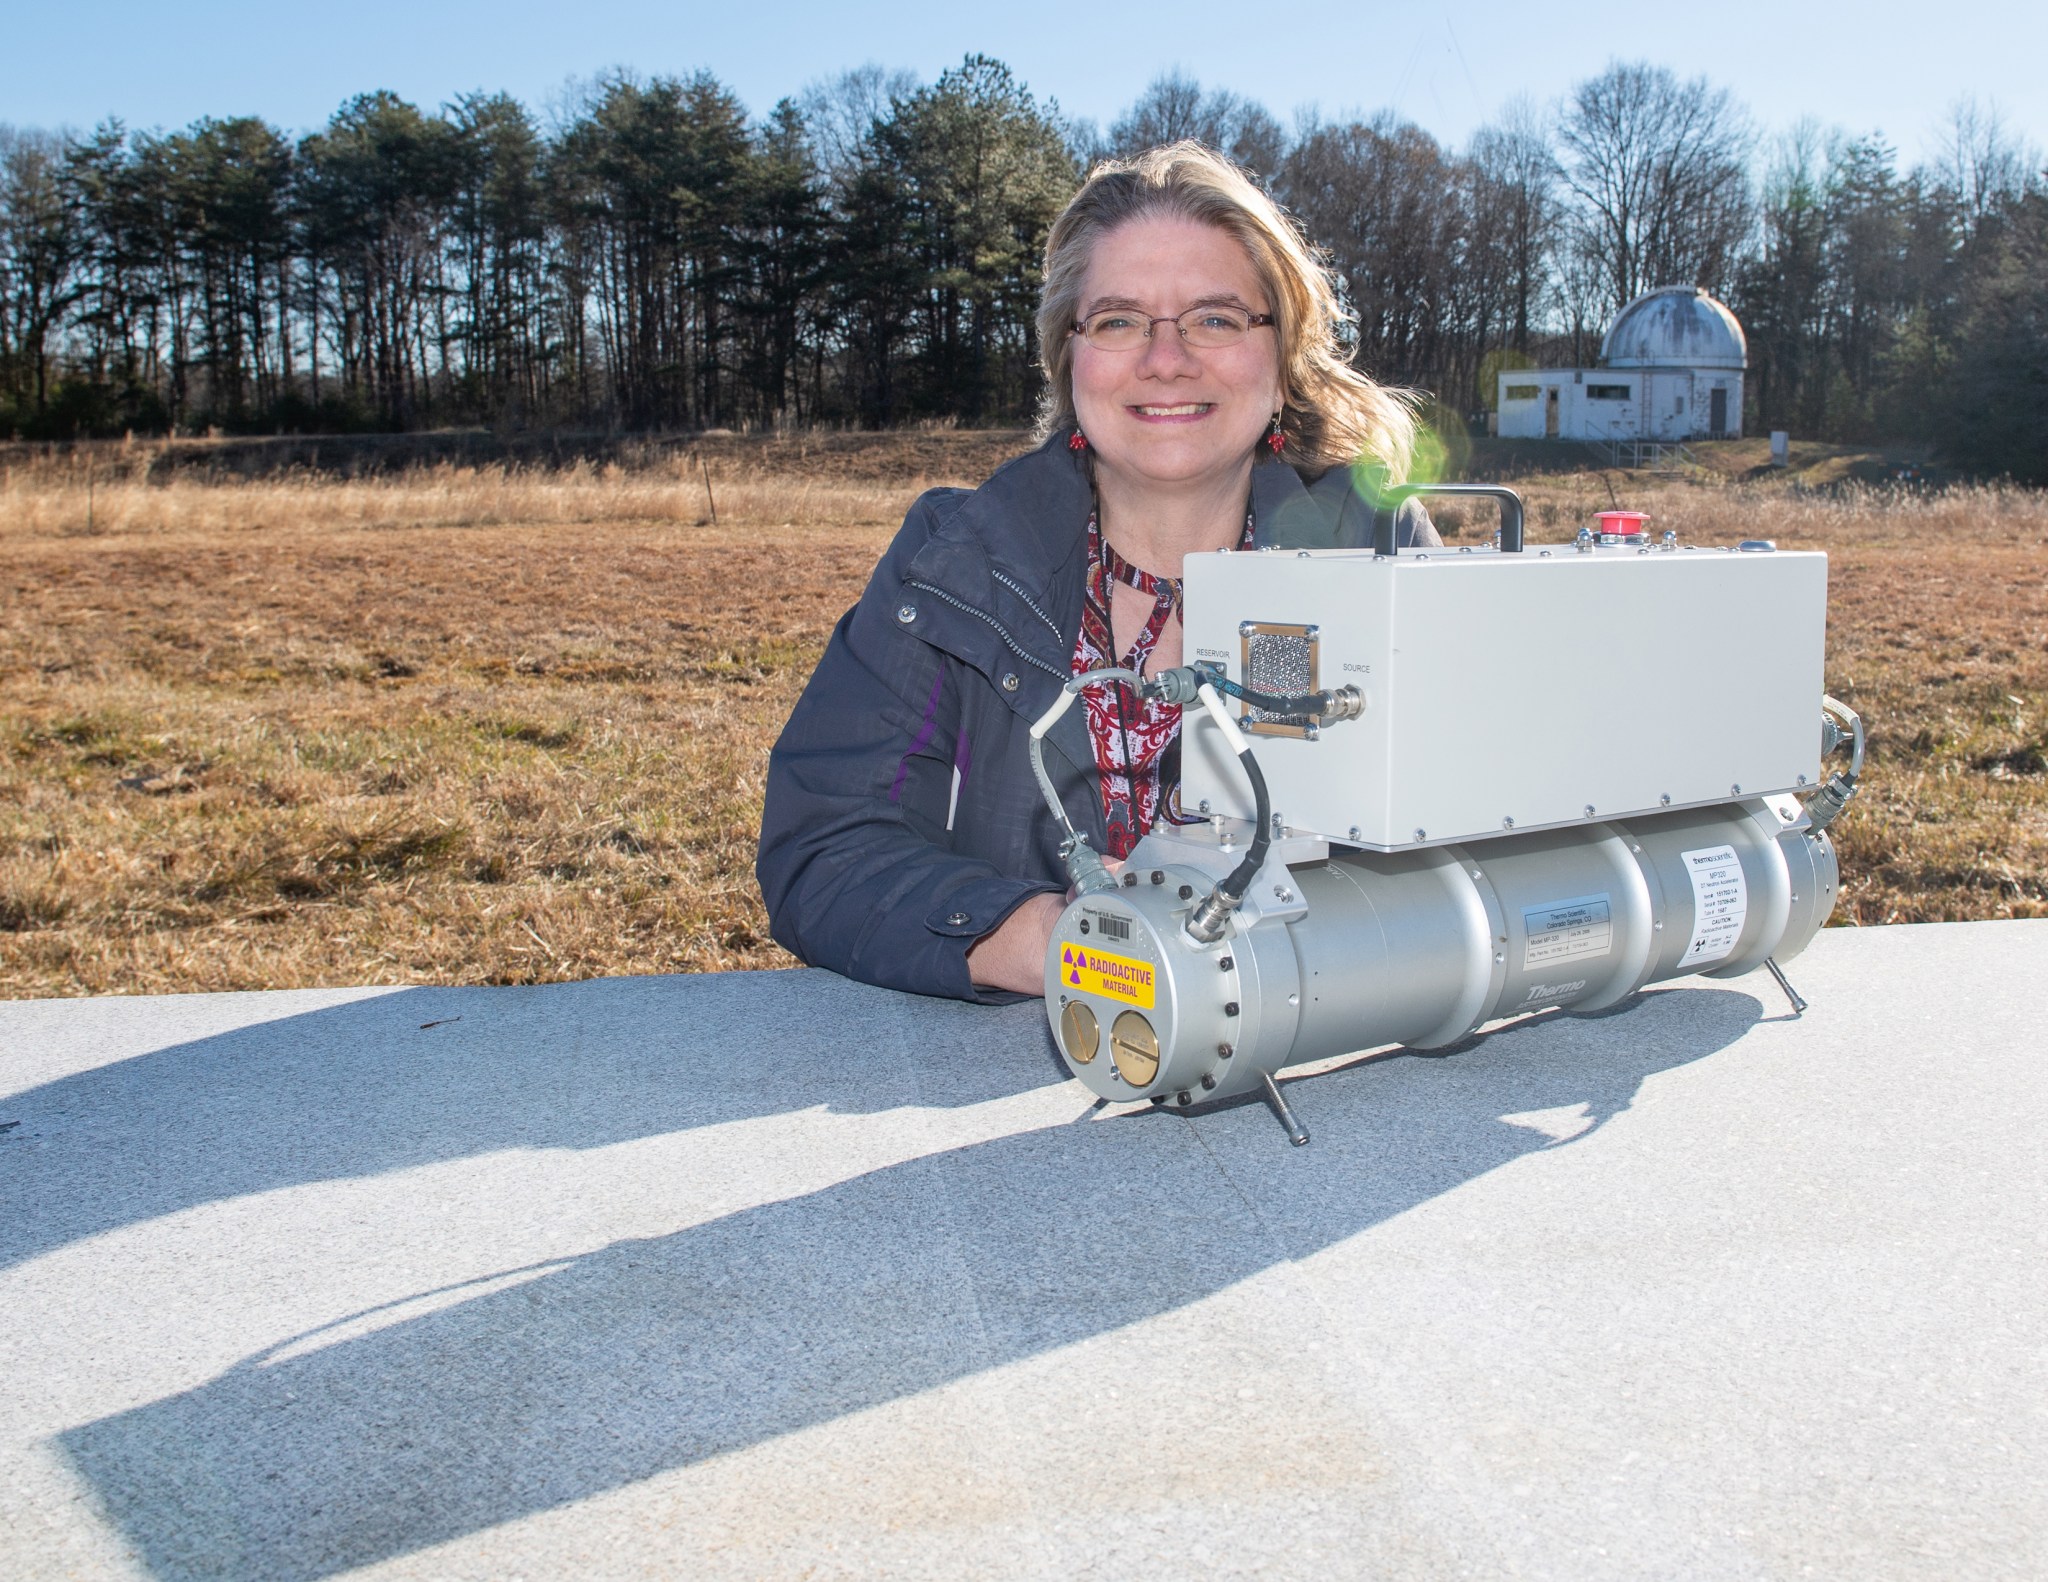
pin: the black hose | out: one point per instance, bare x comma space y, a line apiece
1315, 704
1241, 876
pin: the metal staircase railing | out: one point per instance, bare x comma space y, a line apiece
1644, 455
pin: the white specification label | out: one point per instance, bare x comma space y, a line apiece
1564, 929
1720, 902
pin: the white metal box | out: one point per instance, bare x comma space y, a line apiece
1515, 691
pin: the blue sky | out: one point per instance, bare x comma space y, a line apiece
1880, 65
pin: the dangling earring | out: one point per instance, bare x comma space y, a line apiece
1276, 441
1077, 441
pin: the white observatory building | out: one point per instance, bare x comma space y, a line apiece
1670, 369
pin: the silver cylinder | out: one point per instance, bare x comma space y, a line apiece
1365, 949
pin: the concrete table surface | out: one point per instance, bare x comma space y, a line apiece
774, 1275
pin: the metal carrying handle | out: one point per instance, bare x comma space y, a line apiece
1386, 513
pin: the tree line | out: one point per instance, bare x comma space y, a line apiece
654, 256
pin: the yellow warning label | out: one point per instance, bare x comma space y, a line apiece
1114, 977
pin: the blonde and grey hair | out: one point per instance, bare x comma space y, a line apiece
1332, 414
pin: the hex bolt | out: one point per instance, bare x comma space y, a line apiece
1130, 881
1186, 892
1158, 877
1230, 1007
1226, 962
1208, 1080
1225, 1051
1184, 1098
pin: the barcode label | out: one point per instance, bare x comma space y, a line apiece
1112, 926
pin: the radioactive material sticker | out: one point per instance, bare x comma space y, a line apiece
1720, 903
1113, 977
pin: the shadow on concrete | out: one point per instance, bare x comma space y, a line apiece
361, 1088
655, 1354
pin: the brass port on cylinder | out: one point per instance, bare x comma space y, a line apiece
1135, 1049
1080, 1033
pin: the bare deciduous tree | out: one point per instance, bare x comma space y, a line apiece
1175, 106
1660, 168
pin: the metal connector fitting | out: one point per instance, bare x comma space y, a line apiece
1179, 685
1085, 870
1346, 703
1829, 801
1211, 916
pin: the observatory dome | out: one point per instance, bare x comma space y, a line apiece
1675, 327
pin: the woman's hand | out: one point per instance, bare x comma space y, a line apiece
1013, 957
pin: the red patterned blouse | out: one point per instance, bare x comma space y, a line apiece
1136, 740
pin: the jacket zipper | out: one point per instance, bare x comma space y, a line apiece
1029, 603
1002, 631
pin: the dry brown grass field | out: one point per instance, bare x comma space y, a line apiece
276, 726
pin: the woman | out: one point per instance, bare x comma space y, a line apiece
1197, 399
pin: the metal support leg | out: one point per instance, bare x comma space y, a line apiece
1792, 994
1297, 1133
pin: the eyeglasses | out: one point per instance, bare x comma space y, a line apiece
1208, 328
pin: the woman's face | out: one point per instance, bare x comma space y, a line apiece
1167, 412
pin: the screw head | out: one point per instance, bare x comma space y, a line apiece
1186, 892
1422, 834
1230, 1007
1589, 810
1507, 823
1158, 877
1208, 1080
1225, 1051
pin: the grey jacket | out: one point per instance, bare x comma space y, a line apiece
902, 820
